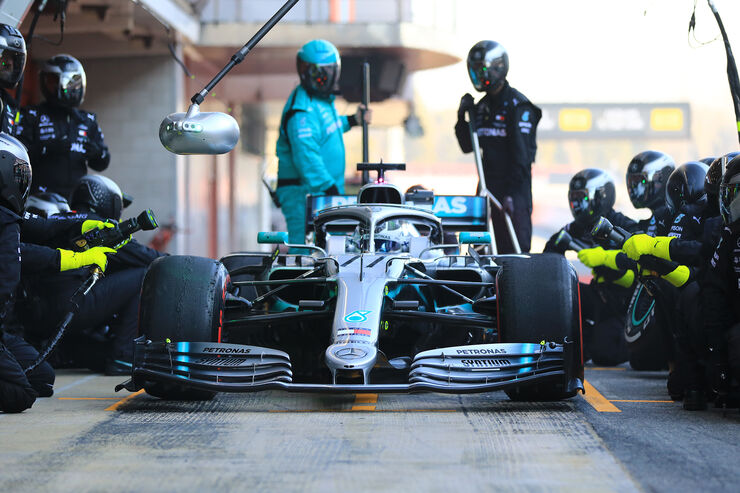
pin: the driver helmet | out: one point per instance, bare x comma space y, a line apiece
685, 187
319, 67
394, 236
15, 173
591, 195
63, 81
488, 64
729, 192
647, 175
98, 194
12, 56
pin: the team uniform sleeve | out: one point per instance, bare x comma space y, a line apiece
462, 132
25, 131
99, 157
38, 258
522, 140
716, 302
345, 123
304, 135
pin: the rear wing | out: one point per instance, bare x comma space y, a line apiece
457, 212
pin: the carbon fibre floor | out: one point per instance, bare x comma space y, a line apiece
86, 438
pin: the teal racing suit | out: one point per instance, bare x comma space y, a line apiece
310, 152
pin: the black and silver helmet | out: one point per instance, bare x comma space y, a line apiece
729, 192
647, 175
488, 64
12, 56
685, 187
98, 194
15, 173
63, 81
591, 195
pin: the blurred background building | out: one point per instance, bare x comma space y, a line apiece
613, 79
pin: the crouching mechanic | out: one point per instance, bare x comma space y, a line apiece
680, 258
721, 290
310, 147
114, 299
591, 195
18, 391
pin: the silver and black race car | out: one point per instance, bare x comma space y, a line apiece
382, 301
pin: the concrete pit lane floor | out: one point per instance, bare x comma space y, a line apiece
625, 435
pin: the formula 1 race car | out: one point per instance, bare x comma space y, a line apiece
381, 301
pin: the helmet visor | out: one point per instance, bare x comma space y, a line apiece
323, 78
11, 67
637, 186
69, 87
479, 75
22, 177
580, 205
728, 193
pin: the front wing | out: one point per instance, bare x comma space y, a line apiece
222, 367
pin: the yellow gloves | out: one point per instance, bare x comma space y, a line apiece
627, 279
594, 257
69, 260
643, 244
678, 276
93, 224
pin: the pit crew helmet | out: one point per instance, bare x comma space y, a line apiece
319, 67
591, 195
12, 56
715, 172
488, 64
685, 187
15, 173
98, 194
647, 175
729, 192
63, 81
46, 204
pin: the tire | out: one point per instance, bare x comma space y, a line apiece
549, 283
182, 299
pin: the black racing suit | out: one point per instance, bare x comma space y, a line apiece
17, 392
62, 143
720, 298
603, 304
507, 130
7, 116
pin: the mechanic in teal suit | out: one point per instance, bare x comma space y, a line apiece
310, 147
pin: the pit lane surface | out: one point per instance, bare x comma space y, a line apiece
625, 437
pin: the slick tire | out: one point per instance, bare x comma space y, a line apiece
538, 300
182, 299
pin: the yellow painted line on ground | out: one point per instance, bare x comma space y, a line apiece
598, 401
603, 368
88, 398
116, 405
637, 400
355, 410
365, 402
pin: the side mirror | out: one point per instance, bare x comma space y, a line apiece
272, 237
199, 133
475, 238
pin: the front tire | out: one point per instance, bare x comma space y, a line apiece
182, 299
538, 300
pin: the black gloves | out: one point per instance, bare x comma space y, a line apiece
332, 190
466, 103
92, 150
